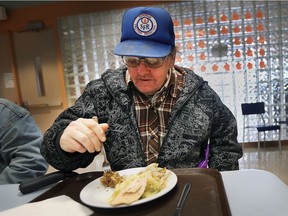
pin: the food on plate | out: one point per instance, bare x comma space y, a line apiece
141, 185
111, 179
129, 191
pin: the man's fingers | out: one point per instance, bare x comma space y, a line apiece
71, 145
83, 135
98, 129
104, 126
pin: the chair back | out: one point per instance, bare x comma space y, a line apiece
258, 109
253, 108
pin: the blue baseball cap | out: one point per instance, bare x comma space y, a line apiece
146, 32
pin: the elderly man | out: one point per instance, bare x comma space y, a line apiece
149, 110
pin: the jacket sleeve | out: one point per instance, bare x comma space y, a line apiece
20, 150
225, 149
50, 148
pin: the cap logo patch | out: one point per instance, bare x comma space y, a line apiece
145, 25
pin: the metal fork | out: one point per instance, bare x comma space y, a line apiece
105, 165
182, 199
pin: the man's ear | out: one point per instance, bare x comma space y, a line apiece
172, 61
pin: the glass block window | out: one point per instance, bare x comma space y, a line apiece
239, 47
87, 42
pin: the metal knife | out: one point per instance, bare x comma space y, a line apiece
182, 199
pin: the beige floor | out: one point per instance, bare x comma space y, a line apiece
270, 160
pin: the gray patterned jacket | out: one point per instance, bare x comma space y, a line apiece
197, 115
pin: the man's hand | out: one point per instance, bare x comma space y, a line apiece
83, 135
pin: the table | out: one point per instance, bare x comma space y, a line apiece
255, 192
249, 192
10, 196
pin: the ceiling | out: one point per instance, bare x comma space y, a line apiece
12, 5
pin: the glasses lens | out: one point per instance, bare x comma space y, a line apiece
131, 61
150, 62
154, 62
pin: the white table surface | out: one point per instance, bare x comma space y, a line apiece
255, 193
10, 196
249, 193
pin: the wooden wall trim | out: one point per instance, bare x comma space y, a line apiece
60, 67
14, 68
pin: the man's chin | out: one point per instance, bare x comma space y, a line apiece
147, 92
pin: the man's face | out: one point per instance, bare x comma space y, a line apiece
149, 80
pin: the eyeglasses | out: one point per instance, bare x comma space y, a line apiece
133, 61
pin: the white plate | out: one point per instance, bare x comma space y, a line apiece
97, 195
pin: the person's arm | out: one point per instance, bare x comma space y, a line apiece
225, 150
60, 142
20, 150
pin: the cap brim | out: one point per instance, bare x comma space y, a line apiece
142, 49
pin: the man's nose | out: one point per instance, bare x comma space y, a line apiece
143, 68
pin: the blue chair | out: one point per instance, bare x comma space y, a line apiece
259, 110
